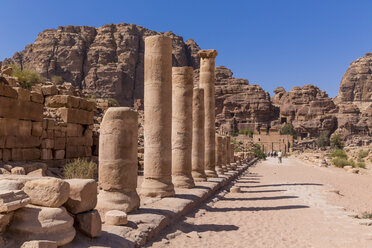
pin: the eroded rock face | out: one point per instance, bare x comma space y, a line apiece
309, 109
240, 105
106, 61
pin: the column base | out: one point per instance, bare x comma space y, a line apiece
219, 170
156, 188
211, 173
199, 176
224, 168
117, 200
183, 181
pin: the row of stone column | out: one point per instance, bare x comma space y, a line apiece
179, 132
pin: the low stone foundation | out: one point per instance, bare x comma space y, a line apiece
156, 214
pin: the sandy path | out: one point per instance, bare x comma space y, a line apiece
280, 206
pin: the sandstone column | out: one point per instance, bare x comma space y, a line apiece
228, 152
118, 161
182, 93
224, 154
219, 147
198, 136
207, 78
157, 180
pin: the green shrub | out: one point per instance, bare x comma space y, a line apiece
288, 129
26, 77
339, 154
246, 132
258, 153
323, 139
336, 141
56, 79
340, 162
362, 154
361, 165
113, 101
81, 168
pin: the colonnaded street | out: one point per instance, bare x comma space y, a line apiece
288, 205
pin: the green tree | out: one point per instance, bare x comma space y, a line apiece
336, 141
288, 129
323, 139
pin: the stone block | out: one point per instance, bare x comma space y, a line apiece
42, 223
75, 151
49, 90
7, 91
37, 173
49, 123
22, 142
25, 154
24, 128
37, 97
23, 94
116, 218
235, 189
9, 185
8, 126
13, 200
59, 143
89, 223
48, 192
59, 154
37, 128
83, 195
47, 143
46, 154
18, 171
79, 141
7, 155
87, 105
76, 116
39, 244
59, 101
74, 130
5, 220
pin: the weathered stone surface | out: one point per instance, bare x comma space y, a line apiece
116, 218
39, 244
83, 195
78, 116
42, 223
5, 220
48, 192
11, 200
107, 61
235, 189
18, 171
89, 223
6, 184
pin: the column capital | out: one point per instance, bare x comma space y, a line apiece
207, 53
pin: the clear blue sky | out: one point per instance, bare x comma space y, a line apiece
270, 42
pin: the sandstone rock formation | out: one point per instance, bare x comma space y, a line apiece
106, 61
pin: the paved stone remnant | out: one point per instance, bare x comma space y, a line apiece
42, 223
48, 192
235, 189
219, 147
89, 223
182, 93
83, 195
207, 80
198, 146
116, 218
157, 181
13, 200
118, 161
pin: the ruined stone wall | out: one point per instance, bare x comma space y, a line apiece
44, 124
273, 141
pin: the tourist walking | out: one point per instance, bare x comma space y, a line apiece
280, 157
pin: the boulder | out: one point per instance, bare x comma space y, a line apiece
116, 218
83, 195
42, 223
39, 244
18, 171
48, 192
89, 223
6, 184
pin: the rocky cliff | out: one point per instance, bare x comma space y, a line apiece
105, 61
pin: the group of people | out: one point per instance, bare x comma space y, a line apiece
275, 154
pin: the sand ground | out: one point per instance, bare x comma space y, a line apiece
288, 205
